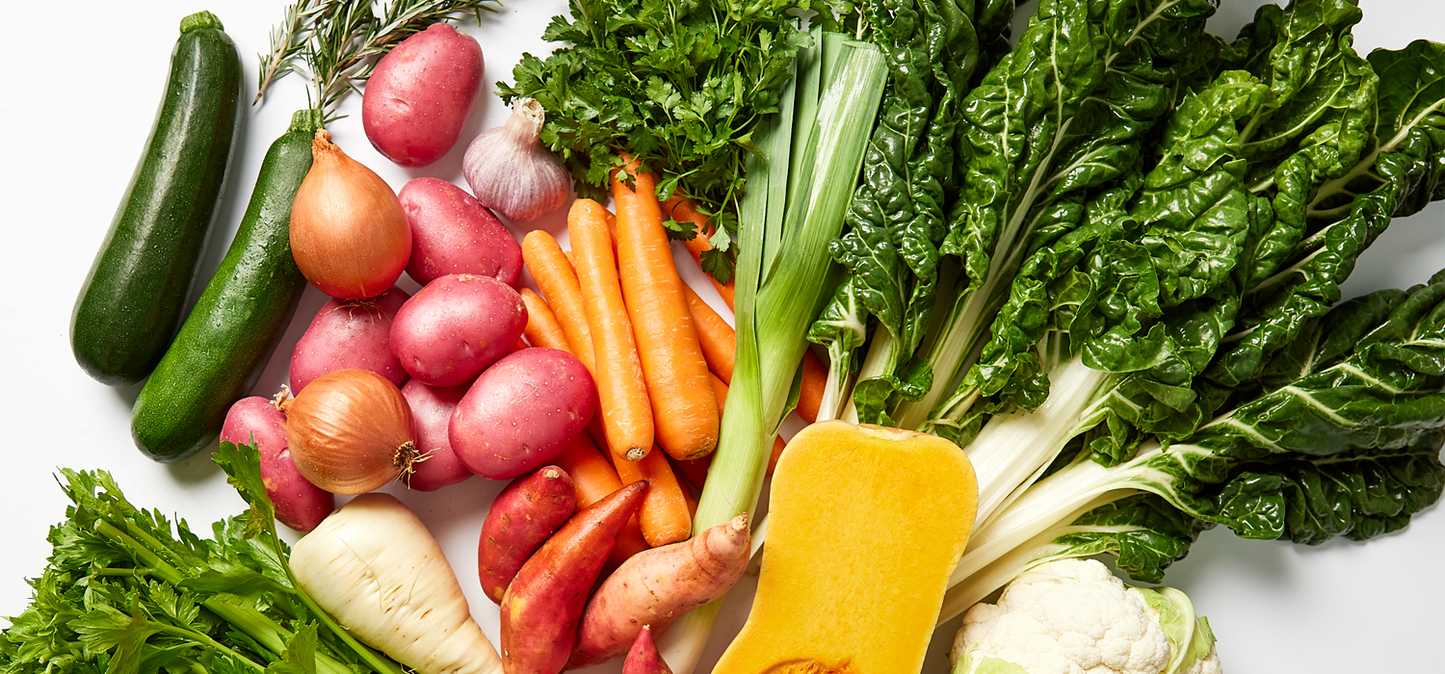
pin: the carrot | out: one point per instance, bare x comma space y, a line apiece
627, 413
682, 210
719, 343
810, 394
594, 478
696, 471
684, 411
664, 515
717, 338
542, 328
554, 274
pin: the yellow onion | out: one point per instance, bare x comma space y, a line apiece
350, 431
349, 234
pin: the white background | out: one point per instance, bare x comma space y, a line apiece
82, 91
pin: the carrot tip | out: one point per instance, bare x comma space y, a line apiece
636, 454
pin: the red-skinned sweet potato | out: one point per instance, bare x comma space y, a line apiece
349, 333
520, 520
644, 658
542, 606
455, 326
656, 587
453, 233
523, 412
431, 413
299, 504
420, 95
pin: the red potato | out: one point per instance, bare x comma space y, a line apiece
349, 334
522, 413
431, 412
453, 233
455, 326
542, 606
656, 587
420, 95
520, 520
299, 504
644, 658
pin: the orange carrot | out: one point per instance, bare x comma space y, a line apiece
542, 327
554, 274
621, 391
594, 477
682, 210
664, 514
717, 338
710, 326
810, 394
684, 411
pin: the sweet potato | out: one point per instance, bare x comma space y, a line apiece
657, 586
542, 606
455, 326
299, 504
453, 233
431, 413
520, 520
350, 333
644, 658
523, 412
420, 95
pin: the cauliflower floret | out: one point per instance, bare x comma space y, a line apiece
1071, 617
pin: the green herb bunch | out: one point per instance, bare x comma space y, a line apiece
678, 84
129, 590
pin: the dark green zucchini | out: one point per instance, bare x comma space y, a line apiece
133, 299
241, 315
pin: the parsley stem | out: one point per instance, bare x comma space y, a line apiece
205, 639
252, 623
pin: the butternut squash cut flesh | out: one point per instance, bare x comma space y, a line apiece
866, 525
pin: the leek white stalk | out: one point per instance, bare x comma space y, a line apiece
777, 302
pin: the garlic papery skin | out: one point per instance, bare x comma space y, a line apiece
510, 172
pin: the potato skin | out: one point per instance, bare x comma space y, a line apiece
453, 233
431, 412
522, 413
299, 504
521, 519
346, 334
420, 95
456, 326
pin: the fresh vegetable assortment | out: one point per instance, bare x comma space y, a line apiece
1098, 260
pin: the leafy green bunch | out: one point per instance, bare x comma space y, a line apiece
679, 84
129, 590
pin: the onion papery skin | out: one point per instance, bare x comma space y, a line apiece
349, 234
350, 432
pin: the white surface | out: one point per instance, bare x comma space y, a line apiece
83, 90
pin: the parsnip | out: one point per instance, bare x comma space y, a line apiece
374, 567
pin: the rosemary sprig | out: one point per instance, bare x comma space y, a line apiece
338, 42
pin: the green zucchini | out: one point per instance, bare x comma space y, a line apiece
133, 299
241, 315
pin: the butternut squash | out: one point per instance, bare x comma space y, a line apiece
867, 524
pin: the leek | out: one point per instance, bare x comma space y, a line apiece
779, 291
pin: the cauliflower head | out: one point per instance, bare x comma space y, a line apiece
1074, 616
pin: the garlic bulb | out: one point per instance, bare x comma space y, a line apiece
509, 170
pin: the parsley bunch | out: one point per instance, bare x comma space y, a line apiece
679, 84
129, 590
